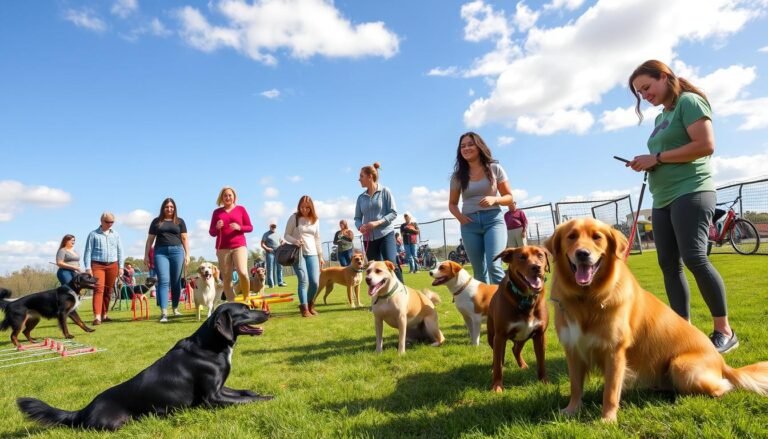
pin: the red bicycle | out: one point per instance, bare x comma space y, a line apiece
740, 232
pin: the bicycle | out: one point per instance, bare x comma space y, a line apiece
458, 256
424, 256
740, 232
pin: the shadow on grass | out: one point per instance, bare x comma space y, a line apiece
322, 351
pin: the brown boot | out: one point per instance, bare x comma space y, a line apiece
312, 308
304, 311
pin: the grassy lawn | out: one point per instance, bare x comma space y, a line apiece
328, 382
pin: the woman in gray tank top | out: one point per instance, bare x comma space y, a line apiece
67, 260
482, 185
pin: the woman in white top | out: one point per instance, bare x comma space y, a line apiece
303, 229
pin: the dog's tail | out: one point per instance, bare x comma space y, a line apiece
432, 296
37, 410
4, 294
753, 377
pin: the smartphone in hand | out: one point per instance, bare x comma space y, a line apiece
621, 159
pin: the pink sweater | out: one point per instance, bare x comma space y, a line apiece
228, 238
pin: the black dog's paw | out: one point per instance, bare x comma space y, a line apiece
69, 336
90, 330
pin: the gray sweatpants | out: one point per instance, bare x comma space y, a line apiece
680, 230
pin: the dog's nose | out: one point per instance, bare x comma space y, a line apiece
536, 269
582, 255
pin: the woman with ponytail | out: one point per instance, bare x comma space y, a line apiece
680, 180
374, 212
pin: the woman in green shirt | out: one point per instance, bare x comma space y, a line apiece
680, 180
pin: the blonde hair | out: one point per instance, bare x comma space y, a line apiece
220, 199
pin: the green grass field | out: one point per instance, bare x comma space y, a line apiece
329, 382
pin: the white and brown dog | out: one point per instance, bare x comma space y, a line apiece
205, 287
410, 311
471, 296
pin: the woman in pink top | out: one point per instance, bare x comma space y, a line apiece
229, 224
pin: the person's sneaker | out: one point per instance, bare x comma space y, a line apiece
283, 285
176, 312
163, 318
723, 343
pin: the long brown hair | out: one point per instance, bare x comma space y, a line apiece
461, 168
161, 217
64, 240
312, 215
655, 69
372, 170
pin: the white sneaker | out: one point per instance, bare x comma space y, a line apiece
176, 312
163, 318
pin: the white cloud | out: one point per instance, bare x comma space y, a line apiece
763, 49
753, 111
505, 140
567, 4
625, 117
155, 28
265, 180
86, 19
565, 69
124, 8
201, 243
575, 121
448, 71
138, 219
272, 210
271, 94
525, 18
295, 178
729, 169
15, 255
271, 192
14, 196
303, 28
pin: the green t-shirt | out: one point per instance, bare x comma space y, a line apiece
671, 180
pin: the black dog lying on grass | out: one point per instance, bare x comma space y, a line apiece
189, 375
25, 313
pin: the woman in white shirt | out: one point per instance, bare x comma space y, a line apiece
303, 229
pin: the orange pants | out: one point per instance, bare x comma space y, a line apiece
102, 294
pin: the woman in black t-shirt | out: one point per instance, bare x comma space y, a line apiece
168, 233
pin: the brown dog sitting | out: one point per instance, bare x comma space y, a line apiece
518, 311
350, 276
258, 275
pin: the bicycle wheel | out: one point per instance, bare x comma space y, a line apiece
431, 261
744, 237
453, 256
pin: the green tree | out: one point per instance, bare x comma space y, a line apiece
757, 217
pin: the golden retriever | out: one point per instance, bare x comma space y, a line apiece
604, 319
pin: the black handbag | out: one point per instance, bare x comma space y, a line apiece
286, 253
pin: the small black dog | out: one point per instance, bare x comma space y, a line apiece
191, 374
142, 289
25, 313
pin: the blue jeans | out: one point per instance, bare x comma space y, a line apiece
169, 261
274, 270
345, 257
307, 269
411, 256
384, 249
65, 276
484, 238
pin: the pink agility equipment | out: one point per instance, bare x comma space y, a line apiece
49, 349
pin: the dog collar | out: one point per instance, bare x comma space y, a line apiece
389, 293
463, 287
526, 301
359, 271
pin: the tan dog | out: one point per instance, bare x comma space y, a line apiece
605, 319
410, 311
205, 287
350, 276
258, 276
518, 311
471, 296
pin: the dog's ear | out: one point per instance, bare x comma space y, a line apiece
506, 255
455, 267
619, 242
390, 265
546, 257
223, 326
552, 244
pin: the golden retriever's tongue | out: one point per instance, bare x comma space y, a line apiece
535, 282
584, 274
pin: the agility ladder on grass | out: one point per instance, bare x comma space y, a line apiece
47, 350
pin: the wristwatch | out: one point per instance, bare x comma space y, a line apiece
658, 158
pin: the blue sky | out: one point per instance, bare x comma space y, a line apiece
115, 105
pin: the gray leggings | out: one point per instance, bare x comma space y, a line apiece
680, 230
